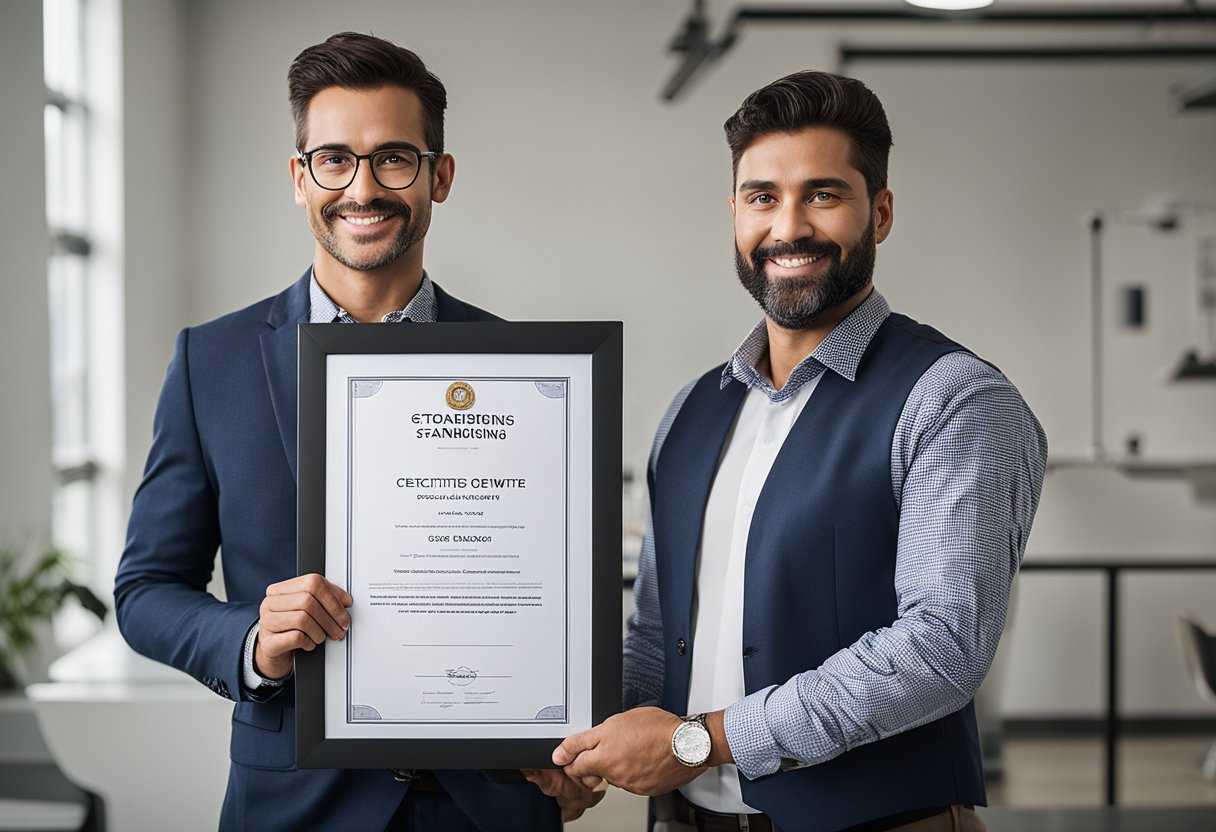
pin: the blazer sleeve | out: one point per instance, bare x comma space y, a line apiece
163, 608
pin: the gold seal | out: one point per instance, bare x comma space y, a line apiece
460, 395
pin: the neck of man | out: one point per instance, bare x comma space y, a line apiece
369, 295
787, 348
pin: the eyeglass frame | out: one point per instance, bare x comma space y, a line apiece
305, 156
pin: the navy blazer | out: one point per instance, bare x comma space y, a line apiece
221, 476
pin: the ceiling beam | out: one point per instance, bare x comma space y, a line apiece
699, 50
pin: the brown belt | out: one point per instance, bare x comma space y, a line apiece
419, 780
709, 821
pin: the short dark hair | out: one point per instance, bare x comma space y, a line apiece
817, 99
364, 62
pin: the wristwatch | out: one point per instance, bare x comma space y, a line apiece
690, 742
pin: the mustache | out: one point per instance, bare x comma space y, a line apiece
805, 247
377, 206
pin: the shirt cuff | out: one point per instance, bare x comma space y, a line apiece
252, 679
751, 741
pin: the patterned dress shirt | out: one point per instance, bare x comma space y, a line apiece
967, 464
423, 308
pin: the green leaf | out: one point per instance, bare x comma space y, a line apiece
88, 600
35, 596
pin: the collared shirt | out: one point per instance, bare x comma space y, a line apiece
422, 308
841, 351
964, 439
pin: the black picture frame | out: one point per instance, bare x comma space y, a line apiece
602, 341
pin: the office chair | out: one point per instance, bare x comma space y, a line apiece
1199, 652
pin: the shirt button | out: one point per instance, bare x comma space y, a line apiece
745, 509
681, 646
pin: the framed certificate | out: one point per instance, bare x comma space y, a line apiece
462, 482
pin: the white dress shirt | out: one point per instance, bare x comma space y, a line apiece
716, 679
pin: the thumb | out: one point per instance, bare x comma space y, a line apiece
574, 745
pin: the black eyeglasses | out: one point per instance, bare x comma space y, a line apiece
395, 168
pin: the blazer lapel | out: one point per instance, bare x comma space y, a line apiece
280, 357
450, 309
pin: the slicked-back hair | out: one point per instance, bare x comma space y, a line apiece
817, 99
356, 61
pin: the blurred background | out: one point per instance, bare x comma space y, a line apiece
1054, 173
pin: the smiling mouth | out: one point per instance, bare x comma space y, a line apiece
367, 220
794, 262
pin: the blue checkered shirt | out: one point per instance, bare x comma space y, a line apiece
422, 308
967, 464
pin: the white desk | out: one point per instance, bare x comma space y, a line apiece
152, 742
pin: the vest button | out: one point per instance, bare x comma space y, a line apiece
681, 646
748, 652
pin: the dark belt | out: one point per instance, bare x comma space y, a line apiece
710, 821
419, 780
892, 821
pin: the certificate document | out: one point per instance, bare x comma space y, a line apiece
457, 549
462, 483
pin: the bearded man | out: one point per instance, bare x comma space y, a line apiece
838, 513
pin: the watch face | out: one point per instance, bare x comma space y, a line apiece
691, 743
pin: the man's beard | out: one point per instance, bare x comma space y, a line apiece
409, 234
799, 302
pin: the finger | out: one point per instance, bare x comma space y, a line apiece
334, 598
299, 583
546, 782
588, 764
276, 643
276, 646
292, 607
574, 745
344, 597
305, 602
596, 784
284, 622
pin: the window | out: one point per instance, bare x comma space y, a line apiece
66, 119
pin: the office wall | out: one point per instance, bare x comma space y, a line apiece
25, 419
579, 195
156, 155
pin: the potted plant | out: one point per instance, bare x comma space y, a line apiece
30, 597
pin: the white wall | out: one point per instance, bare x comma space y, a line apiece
26, 479
579, 195
156, 156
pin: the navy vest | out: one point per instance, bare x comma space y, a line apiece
820, 572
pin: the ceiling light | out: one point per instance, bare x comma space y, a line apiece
950, 5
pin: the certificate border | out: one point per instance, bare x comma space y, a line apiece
602, 341
350, 409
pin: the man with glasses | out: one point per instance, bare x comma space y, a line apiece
369, 164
